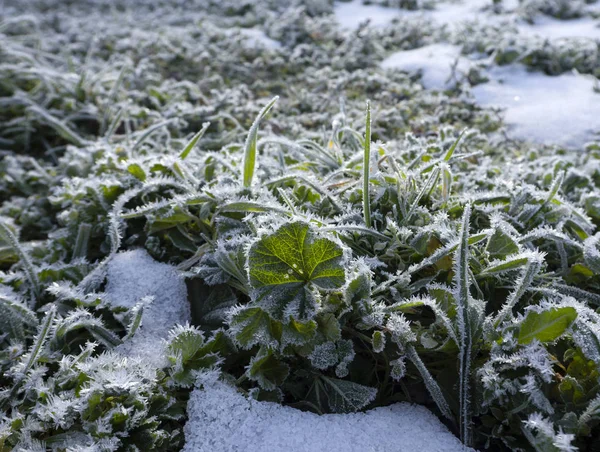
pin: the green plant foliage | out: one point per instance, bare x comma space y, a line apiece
546, 326
335, 260
285, 266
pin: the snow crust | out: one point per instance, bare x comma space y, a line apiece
563, 110
435, 62
223, 420
550, 28
133, 275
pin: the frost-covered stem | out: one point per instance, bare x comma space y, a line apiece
250, 145
7, 235
432, 386
462, 307
367, 168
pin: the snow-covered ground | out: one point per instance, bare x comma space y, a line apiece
223, 420
439, 64
134, 278
563, 110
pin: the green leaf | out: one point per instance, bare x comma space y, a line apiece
136, 171
378, 341
513, 262
250, 146
501, 245
546, 326
267, 370
340, 396
188, 352
298, 333
450, 152
248, 206
284, 267
193, 141
358, 289
252, 326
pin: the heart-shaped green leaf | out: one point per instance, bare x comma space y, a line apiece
285, 267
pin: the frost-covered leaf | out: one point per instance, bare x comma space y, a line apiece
340, 396
251, 326
268, 371
546, 326
500, 245
284, 267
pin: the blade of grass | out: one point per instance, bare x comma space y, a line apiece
367, 169
193, 141
250, 145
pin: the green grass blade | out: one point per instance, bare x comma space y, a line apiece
367, 169
193, 141
462, 297
450, 152
250, 146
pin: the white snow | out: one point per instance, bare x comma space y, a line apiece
561, 110
435, 62
453, 13
133, 275
550, 28
351, 14
222, 420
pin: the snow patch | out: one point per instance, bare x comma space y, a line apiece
550, 28
351, 14
133, 275
222, 420
563, 110
435, 62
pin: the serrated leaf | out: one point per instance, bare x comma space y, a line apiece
252, 326
298, 333
358, 289
267, 370
546, 326
340, 396
284, 266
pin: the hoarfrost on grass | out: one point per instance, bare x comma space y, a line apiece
223, 420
